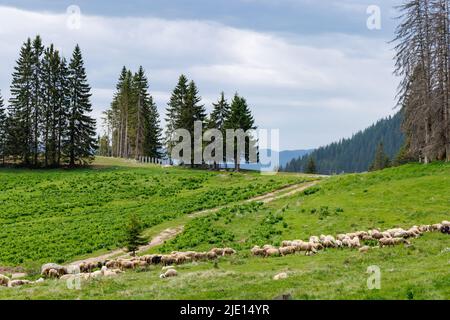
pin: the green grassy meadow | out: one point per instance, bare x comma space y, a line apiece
396, 197
58, 215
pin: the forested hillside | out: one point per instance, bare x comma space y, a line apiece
356, 153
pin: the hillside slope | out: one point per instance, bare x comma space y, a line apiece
356, 153
57, 215
396, 197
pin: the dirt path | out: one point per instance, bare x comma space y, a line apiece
171, 233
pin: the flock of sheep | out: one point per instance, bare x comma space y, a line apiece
110, 268
389, 237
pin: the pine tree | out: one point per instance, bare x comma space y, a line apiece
153, 131
240, 117
148, 132
103, 146
19, 139
191, 112
133, 238
3, 130
173, 113
311, 166
218, 118
381, 160
54, 104
61, 110
37, 95
80, 144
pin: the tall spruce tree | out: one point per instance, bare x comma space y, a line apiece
80, 144
311, 166
152, 139
54, 89
218, 118
148, 132
61, 109
37, 96
19, 138
381, 160
173, 113
3, 130
240, 117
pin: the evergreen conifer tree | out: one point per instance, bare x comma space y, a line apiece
80, 144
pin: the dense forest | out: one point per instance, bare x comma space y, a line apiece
47, 122
355, 154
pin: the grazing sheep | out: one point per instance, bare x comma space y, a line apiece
287, 250
217, 251
377, 235
60, 270
272, 252
126, 264
211, 255
268, 246
386, 234
392, 241
169, 273
314, 239
364, 249
200, 256
107, 273
282, 275
156, 259
286, 243
4, 281
180, 259
168, 260
112, 264
53, 274
445, 223
308, 247
257, 251
67, 277
436, 227
96, 274
18, 283
228, 251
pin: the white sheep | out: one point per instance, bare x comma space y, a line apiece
169, 273
282, 275
4, 281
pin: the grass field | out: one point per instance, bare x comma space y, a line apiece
57, 215
403, 196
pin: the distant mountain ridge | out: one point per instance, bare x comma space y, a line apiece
356, 153
284, 157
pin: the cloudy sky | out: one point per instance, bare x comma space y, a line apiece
311, 68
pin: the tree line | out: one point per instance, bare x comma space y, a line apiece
134, 126
355, 154
47, 121
422, 61
132, 122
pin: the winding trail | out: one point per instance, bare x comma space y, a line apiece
172, 232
